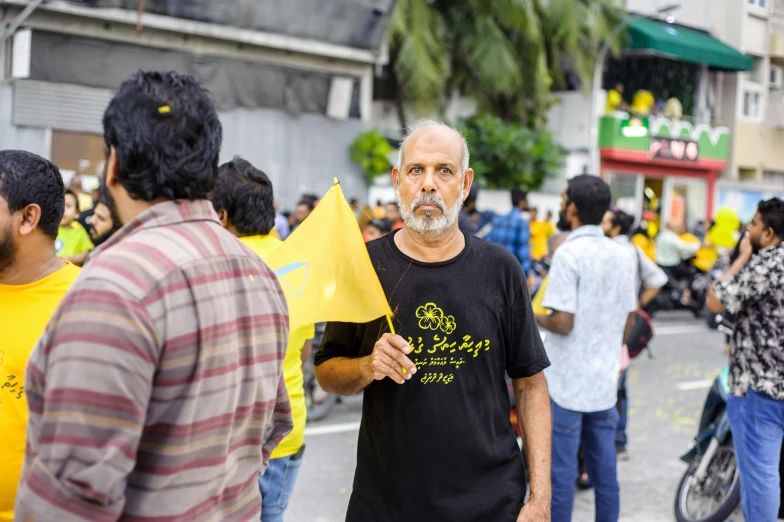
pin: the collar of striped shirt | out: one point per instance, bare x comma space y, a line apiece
163, 214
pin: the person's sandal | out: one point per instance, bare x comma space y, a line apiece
583, 482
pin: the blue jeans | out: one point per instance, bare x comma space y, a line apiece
277, 486
757, 430
597, 432
623, 411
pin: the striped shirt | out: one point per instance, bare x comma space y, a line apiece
156, 392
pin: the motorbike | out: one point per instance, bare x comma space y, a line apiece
686, 295
709, 490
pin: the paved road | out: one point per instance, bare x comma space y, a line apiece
666, 395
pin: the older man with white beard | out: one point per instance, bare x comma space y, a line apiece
435, 442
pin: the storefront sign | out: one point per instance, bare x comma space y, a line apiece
670, 149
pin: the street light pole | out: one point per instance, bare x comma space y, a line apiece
598, 69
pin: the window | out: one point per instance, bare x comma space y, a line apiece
752, 105
758, 3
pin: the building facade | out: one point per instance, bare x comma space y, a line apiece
293, 85
750, 103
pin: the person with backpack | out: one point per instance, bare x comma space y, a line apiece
650, 279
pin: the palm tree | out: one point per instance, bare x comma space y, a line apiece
505, 54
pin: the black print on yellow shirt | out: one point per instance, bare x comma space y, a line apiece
11, 386
433, 351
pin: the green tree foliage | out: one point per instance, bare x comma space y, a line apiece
506, 155
371, 152
506, 54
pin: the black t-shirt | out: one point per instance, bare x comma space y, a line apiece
440, 447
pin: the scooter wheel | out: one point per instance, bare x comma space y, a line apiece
688, 484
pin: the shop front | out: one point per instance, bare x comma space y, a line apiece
662, 170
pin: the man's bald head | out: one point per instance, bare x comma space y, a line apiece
439, 134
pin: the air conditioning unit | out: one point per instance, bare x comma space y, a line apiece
776, 77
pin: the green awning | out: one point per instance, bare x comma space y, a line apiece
688, 45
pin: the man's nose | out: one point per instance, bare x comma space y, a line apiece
429, 183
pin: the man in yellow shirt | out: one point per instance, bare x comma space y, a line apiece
33, 280
244, 202
540, 235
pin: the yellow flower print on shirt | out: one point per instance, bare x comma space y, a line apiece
429, 316
448, 324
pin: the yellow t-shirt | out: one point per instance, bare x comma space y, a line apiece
540, 234
643, 102
614, 99
646, 244
292, 363
705, 257
24, 312
73, 240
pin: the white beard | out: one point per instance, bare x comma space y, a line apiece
429, 224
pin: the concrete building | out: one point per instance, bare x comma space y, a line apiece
292, 83
736, 126
750, 104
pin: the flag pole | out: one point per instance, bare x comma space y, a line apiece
392, 331
391, 326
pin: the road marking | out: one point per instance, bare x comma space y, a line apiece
679, 330
695, 385
331, 428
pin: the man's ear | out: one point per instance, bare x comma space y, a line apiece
768, 236
224, 218
571, 211
30, 217
395, 177
468, 180
111, 168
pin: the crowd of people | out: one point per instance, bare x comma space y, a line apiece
161, 381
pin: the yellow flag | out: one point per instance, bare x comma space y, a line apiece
325, 270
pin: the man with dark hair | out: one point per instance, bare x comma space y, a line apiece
304, 209
166, 353
592, 295
244, 201
103, 224
753, 290
512, 230
33, 280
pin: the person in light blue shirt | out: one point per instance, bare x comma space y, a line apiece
512, 231
592, 294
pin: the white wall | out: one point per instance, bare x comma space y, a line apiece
32, 139
755, 36
568, 119
300, 154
